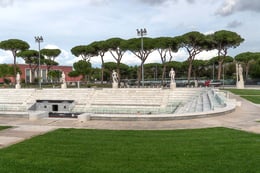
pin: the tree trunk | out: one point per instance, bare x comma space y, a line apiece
163, 73
220, 61
189, 70
247, 69
33, 75
139, 71
118, 72
219, 69
102, 70
14, 55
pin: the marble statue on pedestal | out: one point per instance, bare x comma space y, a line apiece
239, 74
63, 81
172, 76
18, 81
115, 79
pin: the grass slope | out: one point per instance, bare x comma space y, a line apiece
252, 95
254, 99
4, 127
181, 151
245, 91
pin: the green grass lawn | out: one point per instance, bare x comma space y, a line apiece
254, 99
252, 95
4, 127
245, 91
105, 151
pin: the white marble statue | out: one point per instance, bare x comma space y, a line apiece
115, 77
63, 77
172, 75
18, 78
63, 80
18, 81
239, 73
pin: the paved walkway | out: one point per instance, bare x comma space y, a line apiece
244, 118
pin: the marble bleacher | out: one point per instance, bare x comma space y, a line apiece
117, 101
15, 100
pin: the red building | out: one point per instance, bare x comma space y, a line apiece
27, 77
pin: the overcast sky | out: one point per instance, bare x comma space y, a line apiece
64, 24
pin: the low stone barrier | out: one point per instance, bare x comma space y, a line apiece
36, 115
84, 117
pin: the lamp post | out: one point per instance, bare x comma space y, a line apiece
39, 39
141, 33
213, 71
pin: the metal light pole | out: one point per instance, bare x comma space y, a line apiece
141, 33
39, 39
213, 71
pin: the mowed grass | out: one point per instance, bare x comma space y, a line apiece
252, 95
254, 99
211, 150
4, 127
245, 91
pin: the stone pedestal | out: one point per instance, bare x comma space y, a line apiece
196, 84
17, 86
114, 85
84, 117
36, 115
240, 79
64, 86
240, 85
173, 85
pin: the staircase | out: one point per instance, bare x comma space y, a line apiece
206, 100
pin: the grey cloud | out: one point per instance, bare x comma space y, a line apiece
98, 2
191, 1
252, 5
231, 6
157, 2
6, 3
234, 24
227, 8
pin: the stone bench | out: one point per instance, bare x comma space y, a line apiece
36, 115
124, 104
126, 110
12, 107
